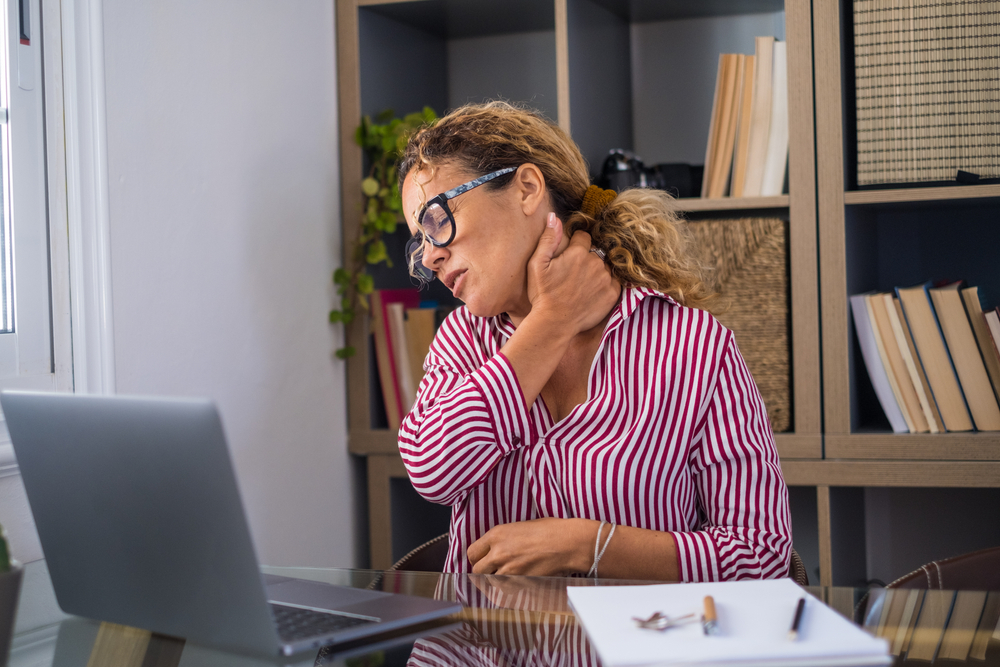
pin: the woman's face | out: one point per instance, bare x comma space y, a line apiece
495, 234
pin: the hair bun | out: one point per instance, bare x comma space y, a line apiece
596, 199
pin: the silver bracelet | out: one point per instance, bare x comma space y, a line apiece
599, 554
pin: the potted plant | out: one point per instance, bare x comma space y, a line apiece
383, 140
10, 589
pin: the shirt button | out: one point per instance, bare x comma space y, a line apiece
516, 440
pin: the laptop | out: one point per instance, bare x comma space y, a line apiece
140, 519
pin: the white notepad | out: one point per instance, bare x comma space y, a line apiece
754, 619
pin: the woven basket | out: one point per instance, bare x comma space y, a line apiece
747, 262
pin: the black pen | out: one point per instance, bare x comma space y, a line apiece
793, 634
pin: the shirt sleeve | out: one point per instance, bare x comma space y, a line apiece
746, 527
468, 415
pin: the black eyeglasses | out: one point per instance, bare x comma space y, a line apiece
437, 224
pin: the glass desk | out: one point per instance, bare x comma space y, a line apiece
506, 621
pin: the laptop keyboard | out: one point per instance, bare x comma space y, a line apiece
295, 623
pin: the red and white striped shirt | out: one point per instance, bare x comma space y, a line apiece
673, 437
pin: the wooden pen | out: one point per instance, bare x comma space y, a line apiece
709, 620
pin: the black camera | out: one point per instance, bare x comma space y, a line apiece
623, 169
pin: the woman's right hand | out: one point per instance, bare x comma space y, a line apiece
573, 287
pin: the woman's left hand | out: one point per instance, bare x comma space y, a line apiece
540, 547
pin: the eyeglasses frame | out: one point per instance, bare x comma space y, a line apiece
442, 201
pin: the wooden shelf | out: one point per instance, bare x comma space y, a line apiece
982, 446
906, 195
792, 446
643, 11
690, 204
430, 30
372, 441
950, 474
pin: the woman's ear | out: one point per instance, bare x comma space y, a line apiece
530, 187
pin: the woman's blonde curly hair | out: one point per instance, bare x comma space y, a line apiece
639, 231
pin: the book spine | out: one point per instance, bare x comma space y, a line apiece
876, 371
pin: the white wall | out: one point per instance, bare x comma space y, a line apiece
225, 230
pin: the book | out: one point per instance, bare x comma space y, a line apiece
401, 356
420, 329
900, 640
992, 318
719, 153
989, 624
892, 360
776, 155
753, 622
961, 629
894, 606
934, 357
727, 143
974, 309
742, 142
911, 623
929, 630
714, 127
965, 356
883, 617
385, 360
913, 367
873, 362
760, 115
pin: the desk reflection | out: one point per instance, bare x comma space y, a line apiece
508, 621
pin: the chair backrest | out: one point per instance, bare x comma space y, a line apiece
428, 557
797, 570
977, 571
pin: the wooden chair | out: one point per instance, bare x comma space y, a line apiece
429, 557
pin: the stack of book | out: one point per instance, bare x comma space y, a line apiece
747, 151
403, 331
925, 90
932, 357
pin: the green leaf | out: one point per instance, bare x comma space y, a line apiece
336, 316
376, 252
387, 221
429, 115
388, 143
370, 187
341, 277
366, 284
345, 352
347, 316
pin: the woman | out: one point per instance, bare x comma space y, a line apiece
580, 414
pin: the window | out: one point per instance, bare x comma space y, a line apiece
26, 358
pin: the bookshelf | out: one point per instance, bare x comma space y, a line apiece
632, 74
877, 239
